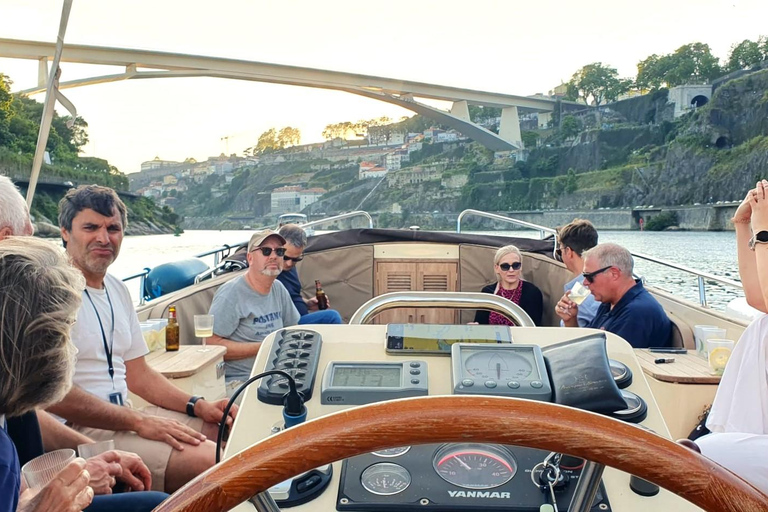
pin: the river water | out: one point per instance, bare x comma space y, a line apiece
712, 252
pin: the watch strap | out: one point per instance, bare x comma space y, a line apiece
191, 405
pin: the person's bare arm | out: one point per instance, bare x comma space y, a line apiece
236, 349
760, 254
153, 387
83, 408
56, 435
748, 259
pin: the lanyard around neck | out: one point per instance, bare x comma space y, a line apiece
107, 347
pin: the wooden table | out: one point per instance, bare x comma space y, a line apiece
687, 369
682, 389
197, 373
188, 360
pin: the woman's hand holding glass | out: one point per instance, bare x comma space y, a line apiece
69, 491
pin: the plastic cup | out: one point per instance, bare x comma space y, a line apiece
709, 333
579, 293
698, 337
89, 450
41, 470
718, 353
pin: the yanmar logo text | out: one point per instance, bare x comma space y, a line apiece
478, 494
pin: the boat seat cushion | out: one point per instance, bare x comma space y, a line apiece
682, 334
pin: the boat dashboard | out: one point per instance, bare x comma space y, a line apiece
342, 366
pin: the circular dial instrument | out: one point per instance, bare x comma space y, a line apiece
393, 452
498, 365
475, 466
385, 479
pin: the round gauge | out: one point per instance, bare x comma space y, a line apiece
498, 365
385, 479
621, 373
636, 411
392, 452
475, 466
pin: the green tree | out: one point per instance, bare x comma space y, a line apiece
747, 54
570, 127
596, 84
288, 136
529, 138
267, 142
689, 64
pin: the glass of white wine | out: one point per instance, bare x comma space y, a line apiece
579, 293
203, 329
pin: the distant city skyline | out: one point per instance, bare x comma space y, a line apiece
498, 45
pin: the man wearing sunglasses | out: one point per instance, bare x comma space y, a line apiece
250, 307
573, 239
626, 309
295, 242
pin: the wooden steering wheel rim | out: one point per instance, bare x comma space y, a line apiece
440, 419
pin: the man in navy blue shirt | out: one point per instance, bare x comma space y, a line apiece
295, 242
626, 309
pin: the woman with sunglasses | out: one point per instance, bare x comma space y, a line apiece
508, 266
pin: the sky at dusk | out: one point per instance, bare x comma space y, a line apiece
514, 47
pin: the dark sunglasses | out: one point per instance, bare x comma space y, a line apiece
295, 260
589, 277
514, 266
267, 251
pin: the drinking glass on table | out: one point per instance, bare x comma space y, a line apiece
579, 293
203, 329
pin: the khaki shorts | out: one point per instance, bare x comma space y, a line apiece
155, 454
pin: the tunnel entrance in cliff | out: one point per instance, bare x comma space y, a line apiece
699, 101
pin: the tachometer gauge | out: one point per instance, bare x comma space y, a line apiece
385, 479
475, 466
393, 452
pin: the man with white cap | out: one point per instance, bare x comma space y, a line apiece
250, 307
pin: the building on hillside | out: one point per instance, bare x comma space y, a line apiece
293, 198
432, 133
158, 164
170, 180
447, 137
396, 159
373, 172
414, 175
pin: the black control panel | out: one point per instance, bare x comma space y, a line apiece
457, 477
295, 352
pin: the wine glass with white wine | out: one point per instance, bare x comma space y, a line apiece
579, 293
203, 329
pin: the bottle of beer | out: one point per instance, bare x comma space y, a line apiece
322, 300
172, 331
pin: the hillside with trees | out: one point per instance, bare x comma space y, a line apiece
19, 123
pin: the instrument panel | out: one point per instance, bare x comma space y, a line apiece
457, 476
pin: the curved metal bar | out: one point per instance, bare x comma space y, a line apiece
541, 229
340, 217
451, 300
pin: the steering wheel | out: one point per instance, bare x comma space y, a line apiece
512, 421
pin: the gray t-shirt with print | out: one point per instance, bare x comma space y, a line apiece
243, 314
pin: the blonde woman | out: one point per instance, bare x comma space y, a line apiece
508, 267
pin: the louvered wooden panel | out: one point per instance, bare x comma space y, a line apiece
399, 282
395, 276
435, 283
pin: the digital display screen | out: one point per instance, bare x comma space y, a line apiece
439, 338
366, 377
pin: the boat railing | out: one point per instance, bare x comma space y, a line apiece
348, 215
543, 231
218, 254
702, 278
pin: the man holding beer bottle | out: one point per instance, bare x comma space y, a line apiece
311, 310
251, 306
